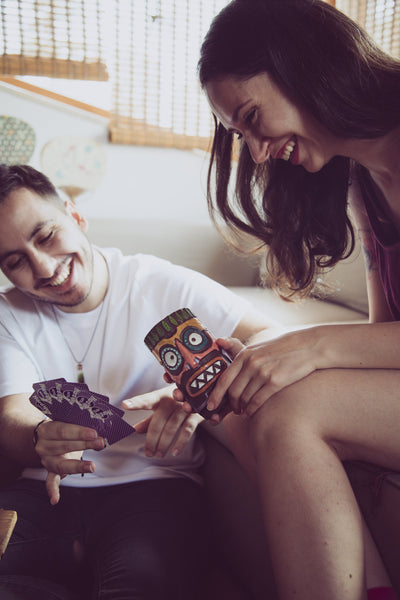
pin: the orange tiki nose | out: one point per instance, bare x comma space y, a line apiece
189, 357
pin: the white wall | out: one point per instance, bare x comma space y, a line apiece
140, 182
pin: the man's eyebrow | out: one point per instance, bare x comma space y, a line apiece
38, 227
34, 231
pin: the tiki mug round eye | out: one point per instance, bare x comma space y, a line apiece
195, 339
171, 359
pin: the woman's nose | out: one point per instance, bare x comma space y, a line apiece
258, 148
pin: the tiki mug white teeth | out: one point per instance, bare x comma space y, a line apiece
191, 357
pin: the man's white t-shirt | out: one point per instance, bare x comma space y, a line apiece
142, 290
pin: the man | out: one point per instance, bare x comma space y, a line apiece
134, 525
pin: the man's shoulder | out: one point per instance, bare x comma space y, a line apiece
136, 264
18, 311
12, 297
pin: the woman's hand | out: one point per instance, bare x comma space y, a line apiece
260, 370
170, 427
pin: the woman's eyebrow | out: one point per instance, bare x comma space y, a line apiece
235, 116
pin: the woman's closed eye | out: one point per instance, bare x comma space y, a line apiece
250, 118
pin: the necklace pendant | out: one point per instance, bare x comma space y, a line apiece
81, 378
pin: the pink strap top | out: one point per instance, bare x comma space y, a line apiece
387, 244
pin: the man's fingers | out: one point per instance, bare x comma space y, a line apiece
53, 487
185, 433
57, 430
149, 401
142, 426
57, 447
168, 423
68, 464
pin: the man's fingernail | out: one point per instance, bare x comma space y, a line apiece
99, 444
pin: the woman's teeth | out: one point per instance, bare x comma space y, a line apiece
288, 150
62, 276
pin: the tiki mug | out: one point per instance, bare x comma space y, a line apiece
191, 357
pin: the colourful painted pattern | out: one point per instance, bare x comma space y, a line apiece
17, 141
189, 354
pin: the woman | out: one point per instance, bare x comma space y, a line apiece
316, 106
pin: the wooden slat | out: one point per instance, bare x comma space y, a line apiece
13, 64
54, 96
8, 519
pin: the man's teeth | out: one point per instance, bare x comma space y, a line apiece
62, 276
288, 150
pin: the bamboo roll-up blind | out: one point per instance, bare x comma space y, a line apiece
381, 18
157, 98
52, 38
150, 49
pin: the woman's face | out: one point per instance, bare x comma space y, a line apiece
270, 124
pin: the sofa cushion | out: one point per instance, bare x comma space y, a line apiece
310, 311
194, 245
346, 282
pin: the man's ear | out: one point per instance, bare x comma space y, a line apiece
72, 210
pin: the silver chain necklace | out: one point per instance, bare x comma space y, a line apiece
79, 363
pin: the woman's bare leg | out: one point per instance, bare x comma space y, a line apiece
299, 439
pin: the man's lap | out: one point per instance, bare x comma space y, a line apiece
152, 529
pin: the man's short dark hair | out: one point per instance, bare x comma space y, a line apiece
14, 177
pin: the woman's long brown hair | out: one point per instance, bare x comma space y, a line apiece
328, 67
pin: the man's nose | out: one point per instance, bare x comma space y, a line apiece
42, 264
189, 357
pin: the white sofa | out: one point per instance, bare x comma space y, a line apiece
236, 515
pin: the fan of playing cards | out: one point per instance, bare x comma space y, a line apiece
61, 400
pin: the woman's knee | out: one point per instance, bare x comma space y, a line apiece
290, 417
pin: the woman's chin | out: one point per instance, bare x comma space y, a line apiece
313, 166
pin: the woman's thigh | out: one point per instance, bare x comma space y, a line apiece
356, 411
148, 540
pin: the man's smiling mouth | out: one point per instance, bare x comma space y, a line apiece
62, 275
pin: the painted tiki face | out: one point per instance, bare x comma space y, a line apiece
189, 354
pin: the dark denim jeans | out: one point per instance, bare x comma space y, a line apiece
145, 540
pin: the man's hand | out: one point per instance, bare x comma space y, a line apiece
60, 447
169, 427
